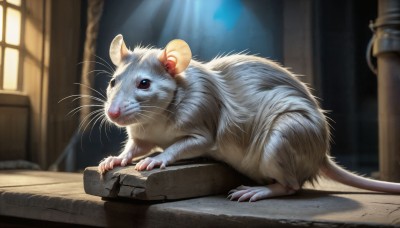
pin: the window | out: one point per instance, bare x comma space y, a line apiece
11, 14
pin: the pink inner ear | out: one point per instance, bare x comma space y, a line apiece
170, 66
170, 61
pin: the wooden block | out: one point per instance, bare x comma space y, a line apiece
175, 182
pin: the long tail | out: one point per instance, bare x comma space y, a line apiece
337, 173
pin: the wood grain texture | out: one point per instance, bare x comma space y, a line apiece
389, 116
33, 72
65, 55
51, 59
60, 197
174, 182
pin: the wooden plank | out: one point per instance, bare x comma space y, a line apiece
20, 178
18, 164
175, 182
10, 98
328, 205
95, 184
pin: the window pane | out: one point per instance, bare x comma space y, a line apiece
13, 26
1, 23
15, 2
10, 74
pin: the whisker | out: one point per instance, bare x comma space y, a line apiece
141, 126
89, 116
144, 115
108, 124
91, 97
102, 123
99, 72
108, 64
67, 97
79, 96
93, 113
149, 111
91, 120
104, 72
76, 110
100, 63
149, 106
94, 90
98, 117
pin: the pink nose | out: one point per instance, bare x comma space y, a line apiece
114, 113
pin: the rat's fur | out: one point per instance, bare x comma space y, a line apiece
244, 110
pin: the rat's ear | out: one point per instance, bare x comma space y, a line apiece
176, 56
118, 50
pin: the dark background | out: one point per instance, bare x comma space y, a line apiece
340, 34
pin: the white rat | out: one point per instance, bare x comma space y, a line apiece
244, 110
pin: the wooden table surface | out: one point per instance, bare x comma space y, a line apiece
59, 197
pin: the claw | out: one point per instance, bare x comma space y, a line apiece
110, 162
150, 163
252, 194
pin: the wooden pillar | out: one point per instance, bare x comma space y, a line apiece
387, 50
297, 39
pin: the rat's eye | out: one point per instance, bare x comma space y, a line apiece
112, 82
144, 84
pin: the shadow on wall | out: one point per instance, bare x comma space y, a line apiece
211, 27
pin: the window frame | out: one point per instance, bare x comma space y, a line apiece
3, 45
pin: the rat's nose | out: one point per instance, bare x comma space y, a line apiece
114, 113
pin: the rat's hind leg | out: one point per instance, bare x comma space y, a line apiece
291, 154
251, 194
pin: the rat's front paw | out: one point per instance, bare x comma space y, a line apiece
151, 162
110, 162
